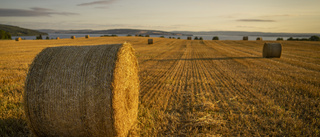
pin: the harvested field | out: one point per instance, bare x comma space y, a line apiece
190, 88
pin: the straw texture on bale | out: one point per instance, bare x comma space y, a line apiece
272, 50
87, 36
58, 38
259, 38
18, 39
245, 38
150, 41
73, 37
83, 91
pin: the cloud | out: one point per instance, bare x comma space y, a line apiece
101, 2
255, 20
36, 11
41, 9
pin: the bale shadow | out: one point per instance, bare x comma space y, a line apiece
13, 127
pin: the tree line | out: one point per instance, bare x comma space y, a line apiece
5, 35
312, 38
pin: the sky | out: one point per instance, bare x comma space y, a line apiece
291, 16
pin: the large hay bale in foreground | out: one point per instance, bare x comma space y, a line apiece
18, 39
73, 37
272, 50
83, 91
150, 41
87, 36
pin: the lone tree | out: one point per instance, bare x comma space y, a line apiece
215, 38
47, 38
314, 38
196, 38
39, 37
5, 35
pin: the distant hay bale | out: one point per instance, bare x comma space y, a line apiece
58, 38
150, 41
87, 36
272, 50
245, 38
83, 91
73, 37
18, 39
259, 38
189, 38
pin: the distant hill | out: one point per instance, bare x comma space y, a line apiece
114, 31
245, 33
17, 31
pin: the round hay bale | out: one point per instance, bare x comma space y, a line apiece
18, 39
83, 91
245, 38
58, 38
150, 41
73, 37
259, 38
272, 50
87, 36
